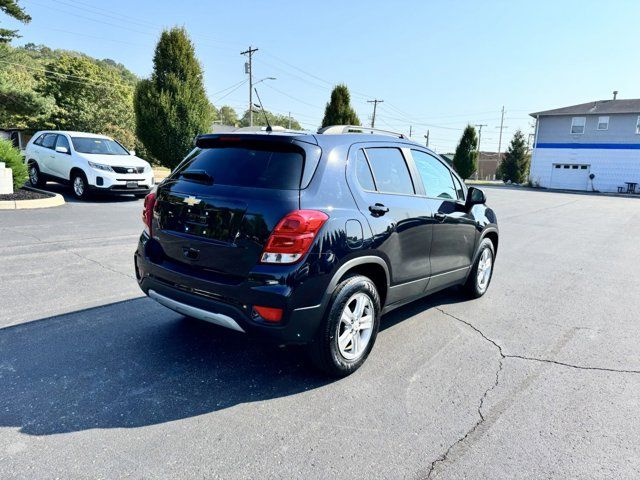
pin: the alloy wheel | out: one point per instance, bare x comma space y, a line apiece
33, 175
355, 326
78, 186
485, 264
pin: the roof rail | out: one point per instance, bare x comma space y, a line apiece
340, 129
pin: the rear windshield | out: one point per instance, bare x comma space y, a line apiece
247, 166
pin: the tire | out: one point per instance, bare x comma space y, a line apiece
79, 185
140, 195
336, 350
477, 285
35, 177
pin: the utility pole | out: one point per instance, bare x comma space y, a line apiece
480, 136
289, 120
427, 139
375, 104
500, 137
410, 131
249, 70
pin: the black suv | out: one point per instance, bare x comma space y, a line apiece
310, 238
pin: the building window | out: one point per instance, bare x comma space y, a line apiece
638, 126
577, 124
603, 123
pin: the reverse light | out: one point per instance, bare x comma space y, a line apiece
147, 212
293, 236
268, 314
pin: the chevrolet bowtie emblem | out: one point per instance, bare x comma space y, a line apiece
191, 201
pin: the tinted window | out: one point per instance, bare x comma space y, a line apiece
390, 170
256, 166
39, 140
363, 173
63, 142
49, 140
98, 146
435, 176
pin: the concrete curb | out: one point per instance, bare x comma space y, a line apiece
55, 200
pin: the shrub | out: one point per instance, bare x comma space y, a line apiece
13, 159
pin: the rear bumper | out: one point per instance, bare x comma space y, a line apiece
228, 305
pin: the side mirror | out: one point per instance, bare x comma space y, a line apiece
475, 196
62, 149
132, 152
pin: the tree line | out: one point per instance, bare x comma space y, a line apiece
159, 117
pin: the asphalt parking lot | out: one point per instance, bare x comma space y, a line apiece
540, 378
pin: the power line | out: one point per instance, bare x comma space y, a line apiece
229, 93
67, 76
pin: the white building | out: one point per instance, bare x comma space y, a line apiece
592, 146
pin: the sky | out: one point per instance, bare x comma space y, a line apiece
437, 65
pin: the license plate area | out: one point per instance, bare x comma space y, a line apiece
132, 184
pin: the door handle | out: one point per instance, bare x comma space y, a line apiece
378, 209
439, 216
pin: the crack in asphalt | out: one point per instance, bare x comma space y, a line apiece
99, 264
444, 457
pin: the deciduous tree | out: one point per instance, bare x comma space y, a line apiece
274, 119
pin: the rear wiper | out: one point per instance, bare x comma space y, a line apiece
197, 176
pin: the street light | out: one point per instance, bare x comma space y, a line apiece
266, 78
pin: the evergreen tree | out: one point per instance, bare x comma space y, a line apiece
464, 160
11, 8
172, 106
338, 111
515, 165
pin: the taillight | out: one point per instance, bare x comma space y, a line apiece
147, 213
293, 236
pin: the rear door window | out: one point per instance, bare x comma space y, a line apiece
390, 170
250, 165
49, 140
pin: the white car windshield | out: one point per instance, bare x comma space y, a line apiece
98, 146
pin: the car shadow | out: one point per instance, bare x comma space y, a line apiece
65, 191
135, 363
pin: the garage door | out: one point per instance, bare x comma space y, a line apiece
570, 176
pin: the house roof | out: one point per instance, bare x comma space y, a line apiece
594, 108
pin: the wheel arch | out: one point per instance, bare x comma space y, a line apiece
372, 267
492, 234
77, 170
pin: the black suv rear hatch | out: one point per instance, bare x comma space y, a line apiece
216, 210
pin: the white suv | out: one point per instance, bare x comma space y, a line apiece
88, 162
